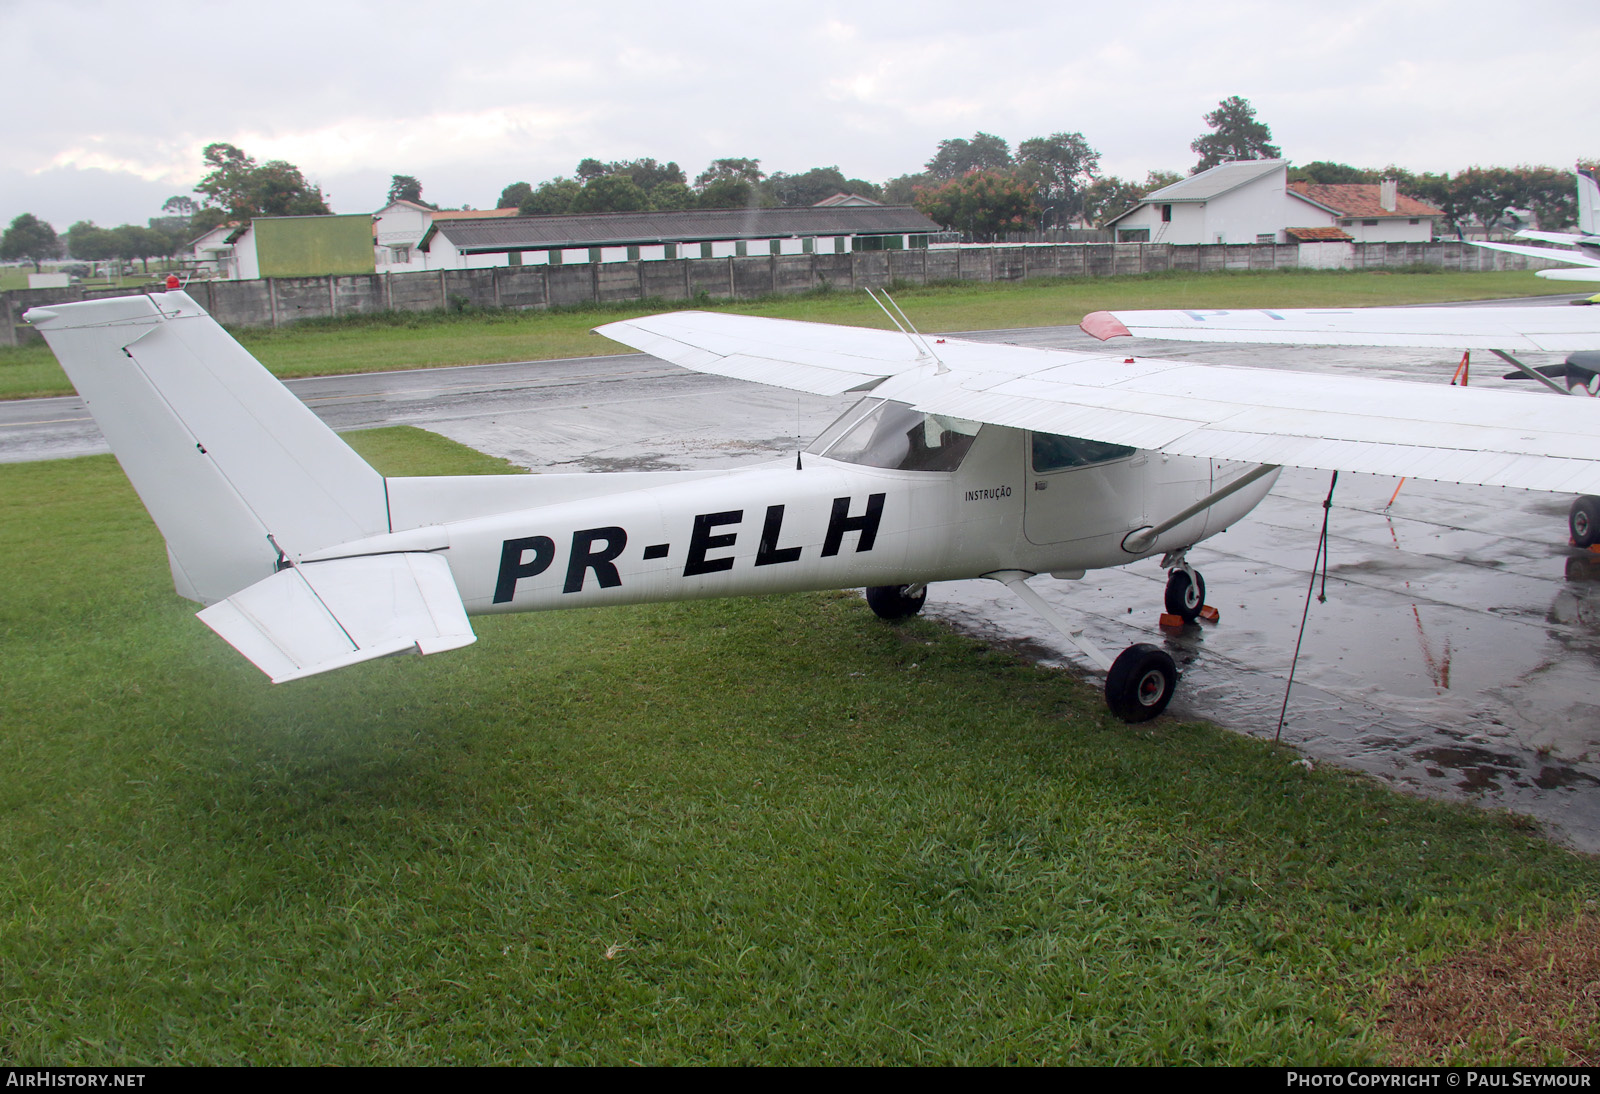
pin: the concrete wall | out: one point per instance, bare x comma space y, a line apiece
274, 302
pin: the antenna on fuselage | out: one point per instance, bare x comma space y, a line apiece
918, 342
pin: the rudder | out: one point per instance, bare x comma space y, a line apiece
237, 473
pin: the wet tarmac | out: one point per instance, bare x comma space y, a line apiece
1453, 655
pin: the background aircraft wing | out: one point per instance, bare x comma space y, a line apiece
1384, 427
1545, 329
1568, 239
1574, 257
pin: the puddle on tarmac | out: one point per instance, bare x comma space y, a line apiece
1455, 655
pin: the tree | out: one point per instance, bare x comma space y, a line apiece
1488, 194
731, 193
29, 238
1106, 197
1059, 166
1551, 196
958, 156
244, 189
180, 205
730, 170
514, 195
982, 204
1236, 136
405, 188
551, 198
672, 197
903, 190
1325, 172
810, 187
610, 194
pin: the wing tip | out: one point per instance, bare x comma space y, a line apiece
1103, 325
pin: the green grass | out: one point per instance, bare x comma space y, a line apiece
770, 830
399, 341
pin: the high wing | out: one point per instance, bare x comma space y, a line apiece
1565, 239
1385, 427
1539, 329
1574, 258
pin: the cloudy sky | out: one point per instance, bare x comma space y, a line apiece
109, 104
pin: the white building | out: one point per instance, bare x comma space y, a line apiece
1252, 201
400, 227
457, 243
1246, 201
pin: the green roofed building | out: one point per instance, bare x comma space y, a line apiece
313, 246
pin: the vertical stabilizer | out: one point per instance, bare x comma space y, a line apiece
233, 468
1588, 202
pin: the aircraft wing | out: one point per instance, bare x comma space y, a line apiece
1573, 257
1569, 239
1542, 329
1384, 427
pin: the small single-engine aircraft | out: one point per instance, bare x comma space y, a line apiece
961, 460
1584, 244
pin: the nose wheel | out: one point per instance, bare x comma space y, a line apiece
1186, 593
1583, 521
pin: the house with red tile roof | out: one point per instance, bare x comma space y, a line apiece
1252, 201
1369, 212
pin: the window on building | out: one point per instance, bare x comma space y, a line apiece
514, 258
1369, 223
1266, 237
1133, 235
1166, 214
403, 254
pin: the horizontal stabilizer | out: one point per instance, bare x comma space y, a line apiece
325, 615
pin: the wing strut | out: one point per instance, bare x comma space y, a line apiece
1140, 540
1017, 582
1541, 377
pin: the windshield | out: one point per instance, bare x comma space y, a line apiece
880, 433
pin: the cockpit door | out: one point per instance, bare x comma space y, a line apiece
1080, 489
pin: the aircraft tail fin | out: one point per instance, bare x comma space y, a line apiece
238, 474
1588, 202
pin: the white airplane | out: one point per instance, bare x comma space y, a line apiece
1498, 330
1585, 243
962, 460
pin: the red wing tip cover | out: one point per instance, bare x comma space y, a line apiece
1103, 325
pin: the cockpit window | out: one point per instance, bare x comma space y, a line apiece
881, 433
1052, 452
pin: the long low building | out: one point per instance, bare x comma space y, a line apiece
458, 244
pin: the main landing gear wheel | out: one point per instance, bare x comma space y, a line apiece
1184, 597
1583, 520
891, 601
1140, 683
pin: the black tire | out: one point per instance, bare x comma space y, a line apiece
1140, 683
891, 601
1186, 598
1583, 520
